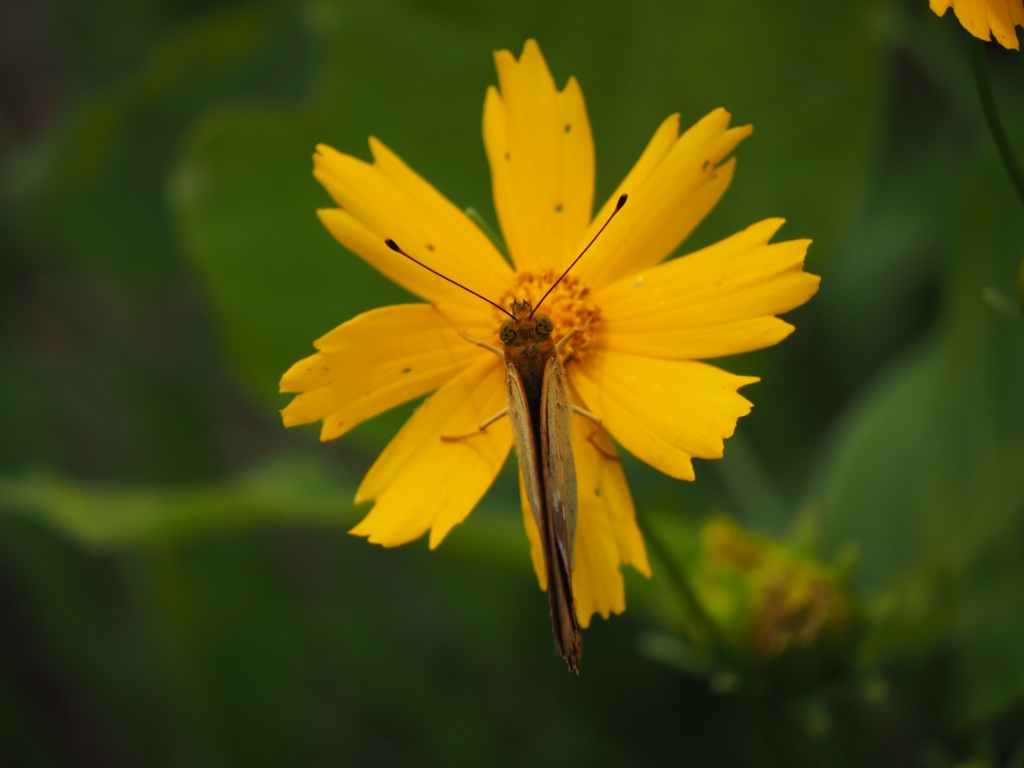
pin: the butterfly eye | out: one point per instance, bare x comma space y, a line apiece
544, 325
507, 333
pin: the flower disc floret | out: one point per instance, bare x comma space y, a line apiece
568, 305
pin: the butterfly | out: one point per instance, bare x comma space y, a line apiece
538, 407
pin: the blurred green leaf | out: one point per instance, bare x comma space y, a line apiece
117, 370
286, 491
94, 188
925, 474
103, 518
674, 651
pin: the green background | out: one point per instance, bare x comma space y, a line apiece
176, 582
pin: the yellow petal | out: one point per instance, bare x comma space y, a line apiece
664, 412
607, 535
422, 482
372, 363
1004, 16
387, 199
596, 580
670, 192
986, 19
606, 532
718, 301
602, 486
541, 155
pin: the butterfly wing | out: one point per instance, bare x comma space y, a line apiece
526, 447
545, 460
559, 484
556, 459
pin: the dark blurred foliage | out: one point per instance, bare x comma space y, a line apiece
176, 582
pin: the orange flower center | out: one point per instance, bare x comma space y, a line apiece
567, 306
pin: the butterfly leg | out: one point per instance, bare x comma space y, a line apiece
480, 343
565, 340
585, 414
593, 434
483, 426
503, 412
597, 447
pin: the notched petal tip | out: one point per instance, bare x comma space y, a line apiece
422, 482
530, 55
742, 131
503, 58
664, 412
324, 156
378, 150
372, 537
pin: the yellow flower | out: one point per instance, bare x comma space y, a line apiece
644, 324
986, 19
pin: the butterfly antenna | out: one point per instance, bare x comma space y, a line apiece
395, 247
618, 207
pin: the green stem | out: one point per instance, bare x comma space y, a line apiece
704, 625
995, 125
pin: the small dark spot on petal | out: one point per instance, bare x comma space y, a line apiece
430, 247
406, 370
558, 208
568, 127
705, 166
597, 492
507, 155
